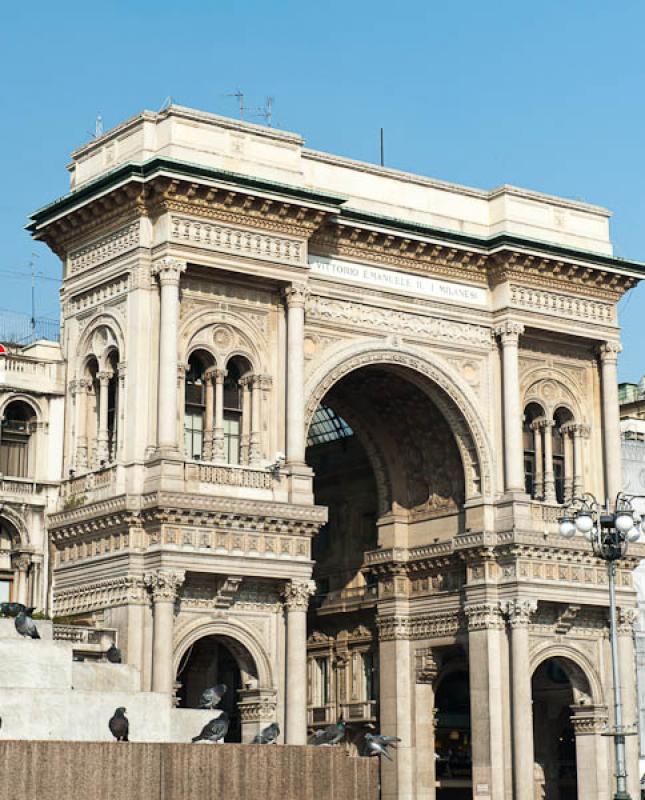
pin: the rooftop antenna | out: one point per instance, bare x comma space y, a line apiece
166, 104
32, 267
266, 111
240, 96
382, 148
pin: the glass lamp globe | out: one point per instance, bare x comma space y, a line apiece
634, 534
584, 522
624, 522
567, 528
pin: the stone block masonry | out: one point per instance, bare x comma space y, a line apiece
106, 771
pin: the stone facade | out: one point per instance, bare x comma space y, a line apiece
320, 421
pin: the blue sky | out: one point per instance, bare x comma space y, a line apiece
545, 95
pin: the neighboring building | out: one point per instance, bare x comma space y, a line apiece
632, 430
438, 365
32, 397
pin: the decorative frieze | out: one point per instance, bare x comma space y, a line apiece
561, 305
106, 593
353, 315
104, 293
104, 249
227, 239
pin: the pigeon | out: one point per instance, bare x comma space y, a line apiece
387, 741
119, 725
332, 734
213, 696
25, 624
268, 736
113, 654
376, 747
214, 731
11, 609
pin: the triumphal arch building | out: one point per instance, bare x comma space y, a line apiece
321, 418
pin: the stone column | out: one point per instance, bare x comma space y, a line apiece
80, 422
485, 629
164, 586
218, 432
102, 453
519, 614
567, 437
425, 722
592, 751
138, 602
207, 449
578, 431
254, 441
296, 596
549, 482
245, 385
509, 333
296, 296
20, 565
539, 458
169, 271
120, 410
626, 619
257, 709
608, 352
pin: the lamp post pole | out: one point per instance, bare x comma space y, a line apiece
609, 533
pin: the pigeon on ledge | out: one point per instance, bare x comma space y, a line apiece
332, 734
25, 624
268, 736
214, 731
119, 725
213, 696
113, 654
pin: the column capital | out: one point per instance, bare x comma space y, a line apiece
219, 375
426, 667
626, 620
588, 719
164, 585
21, 562
545, 423
263, 382
295, 295
80, 386
104, 376
519, 611
296, 594
509, 332
580, 429
482, 616
608, 351
169, 270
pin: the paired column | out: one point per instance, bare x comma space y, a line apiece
21, 564
549, 481
80, 389
509, 333
519, 614
539, 458
245, 385
254, 439
207, 454
169, 272
120, 411
485, 631
295, 297
296, 596
164, 586
608, 353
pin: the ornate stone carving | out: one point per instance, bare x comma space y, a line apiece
104, 249
169, 270
608, 351
296, 594
164, 585
227, 239
482, 616
626, 620
519, 612
509, 332
21, 562
257, 710
561, 305
101, 294
391, 628
588, 719
344, 312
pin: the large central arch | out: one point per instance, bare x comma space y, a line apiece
447, 391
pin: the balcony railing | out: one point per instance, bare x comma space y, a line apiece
359, 711
22, 487
229, 475
88, 643
348, 599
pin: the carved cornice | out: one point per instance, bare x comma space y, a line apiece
95, 595
296, 594
588, 719
393, 628
483, 616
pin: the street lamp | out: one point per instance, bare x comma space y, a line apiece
609, 533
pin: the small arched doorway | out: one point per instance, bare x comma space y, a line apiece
556, 687
217, 659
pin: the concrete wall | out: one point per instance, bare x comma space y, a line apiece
107, 771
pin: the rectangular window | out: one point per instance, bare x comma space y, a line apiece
14, 456
320, 682
193, 433
5, 590
232, 431
368, 672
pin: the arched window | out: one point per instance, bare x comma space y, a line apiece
234, 424
113, 405
533, 454
17, 457
195, 407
